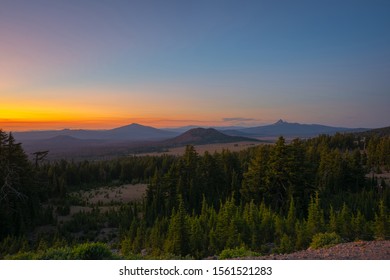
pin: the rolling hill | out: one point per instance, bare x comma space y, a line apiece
137, 132
201, 136
134, 138
71, 147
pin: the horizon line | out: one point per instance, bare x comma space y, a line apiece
171, 127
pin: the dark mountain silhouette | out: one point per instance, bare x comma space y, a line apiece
137, 132
283, 128
132, 132
136, 138
183, 129
201, 136
236, 132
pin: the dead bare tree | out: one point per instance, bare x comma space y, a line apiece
7, 190
39, 156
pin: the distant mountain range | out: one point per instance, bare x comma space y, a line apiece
183, 129
132, 132
136, 137
137, 132
286, 129
69, 146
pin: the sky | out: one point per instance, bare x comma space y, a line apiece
102, 64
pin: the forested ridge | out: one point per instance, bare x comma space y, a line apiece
275, 198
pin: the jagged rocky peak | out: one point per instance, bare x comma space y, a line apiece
280, 122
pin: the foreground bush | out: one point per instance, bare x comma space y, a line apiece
236, 253
85, 251
22, 256
92, 251
64, 253
324, 240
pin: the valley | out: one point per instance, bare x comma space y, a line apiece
241, 197
139, 139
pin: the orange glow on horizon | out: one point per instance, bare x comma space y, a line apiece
102, 108
28, 125
26, 117
36, 114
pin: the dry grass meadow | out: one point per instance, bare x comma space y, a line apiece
211, 148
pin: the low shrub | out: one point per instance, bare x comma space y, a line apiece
22, 256
85, 251
324, 240
64, 253
92, 251
238, 252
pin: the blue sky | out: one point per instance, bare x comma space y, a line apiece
169, 63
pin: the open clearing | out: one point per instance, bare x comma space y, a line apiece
104, 198
385, 175
110, 195
211, 148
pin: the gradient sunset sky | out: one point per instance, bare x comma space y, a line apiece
107, 63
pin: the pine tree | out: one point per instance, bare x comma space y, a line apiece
198, 238
139, 239
254, 185
177, 241
286, 245
303, 236
156, 237
315, 219
360, 228
19, 195
291, 218
381, 225
222, 229
344, 222
278, 176
333, 221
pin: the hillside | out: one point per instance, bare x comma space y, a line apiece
274, 198
137, 132
201, 136
286, 129
65, 146
360, 250
380, 132
136, 138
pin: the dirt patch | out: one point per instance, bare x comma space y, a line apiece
73, 210
133, 192
105, 199
360, 250
385, 176
111, 195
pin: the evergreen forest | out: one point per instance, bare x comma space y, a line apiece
271, 198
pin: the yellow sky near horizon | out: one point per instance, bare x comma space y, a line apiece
38, 115
93, 107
